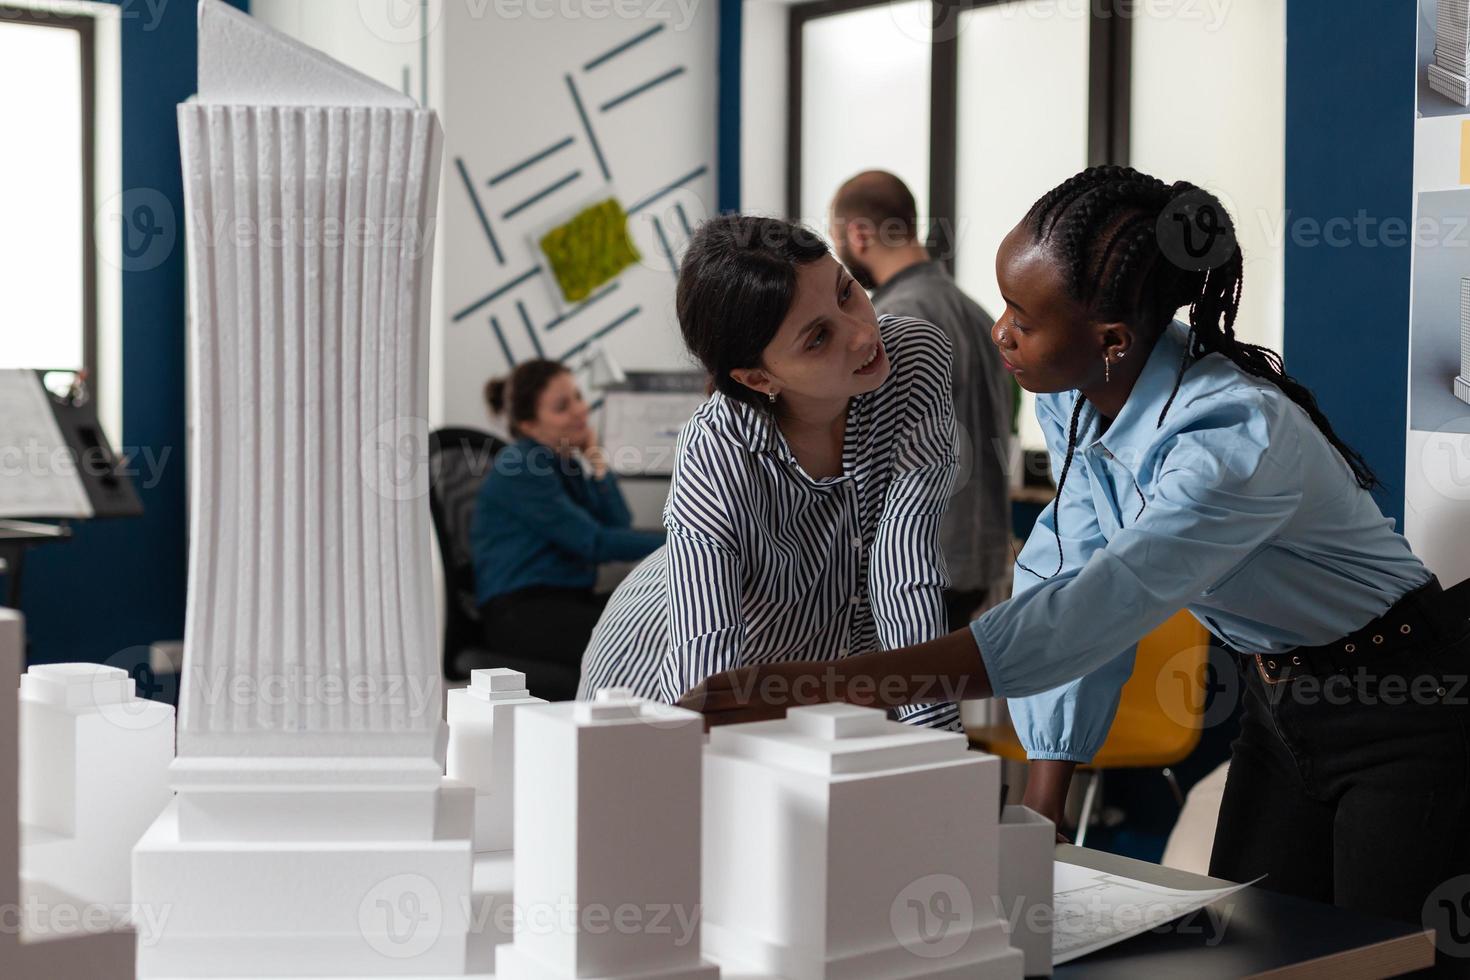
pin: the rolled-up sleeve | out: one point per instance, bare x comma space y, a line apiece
1063, 646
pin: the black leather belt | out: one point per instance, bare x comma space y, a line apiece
1428, 615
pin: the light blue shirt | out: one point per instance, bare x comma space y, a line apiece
1235, 508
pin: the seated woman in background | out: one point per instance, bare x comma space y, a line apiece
804, 511
548, 514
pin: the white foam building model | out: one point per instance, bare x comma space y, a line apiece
1462, 382
839, 844
482, 754
607, 842
314, 832
1026, 843
94, 760
482, 749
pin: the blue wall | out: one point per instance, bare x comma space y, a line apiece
120, 584
1350, 148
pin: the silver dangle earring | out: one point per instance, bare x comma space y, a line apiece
772, 396
1107, 369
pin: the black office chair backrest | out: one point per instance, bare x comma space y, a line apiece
459, 460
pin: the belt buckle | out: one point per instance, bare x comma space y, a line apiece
1265, 676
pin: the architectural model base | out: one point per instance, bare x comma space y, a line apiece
1462, 389
289, 908
512, 964
984, 956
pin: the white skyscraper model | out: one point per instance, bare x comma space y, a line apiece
607, 840
314, 833
1448, 70
1462, 383
839, 844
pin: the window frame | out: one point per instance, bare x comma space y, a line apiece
85, 29
1110, 32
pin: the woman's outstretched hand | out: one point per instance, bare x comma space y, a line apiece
763, 692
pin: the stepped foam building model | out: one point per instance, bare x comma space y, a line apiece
839, 844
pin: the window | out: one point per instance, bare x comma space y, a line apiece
1198, 115
864, 101
980, 106
47, 260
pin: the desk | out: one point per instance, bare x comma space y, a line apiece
1266, 933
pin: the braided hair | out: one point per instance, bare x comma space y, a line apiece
1103, 226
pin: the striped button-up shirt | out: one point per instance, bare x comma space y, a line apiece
766, 564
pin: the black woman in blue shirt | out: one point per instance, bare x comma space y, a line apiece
548, 514
1193, 472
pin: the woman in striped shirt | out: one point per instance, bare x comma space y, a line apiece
803, 515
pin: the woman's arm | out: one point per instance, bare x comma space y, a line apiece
906, 578
704, 584
946, 669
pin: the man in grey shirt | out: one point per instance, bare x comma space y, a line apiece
874, 224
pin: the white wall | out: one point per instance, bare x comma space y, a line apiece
496, 74
506, 99
765, 26
1197, 116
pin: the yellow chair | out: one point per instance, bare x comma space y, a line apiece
1159, 718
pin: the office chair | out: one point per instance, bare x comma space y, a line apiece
1160, 713
459, 460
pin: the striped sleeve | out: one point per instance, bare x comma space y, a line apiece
706, 627
906, 567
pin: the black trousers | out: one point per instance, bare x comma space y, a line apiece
546, 629
1354, 789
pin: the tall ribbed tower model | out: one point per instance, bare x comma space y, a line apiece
313, 832
1462, 383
